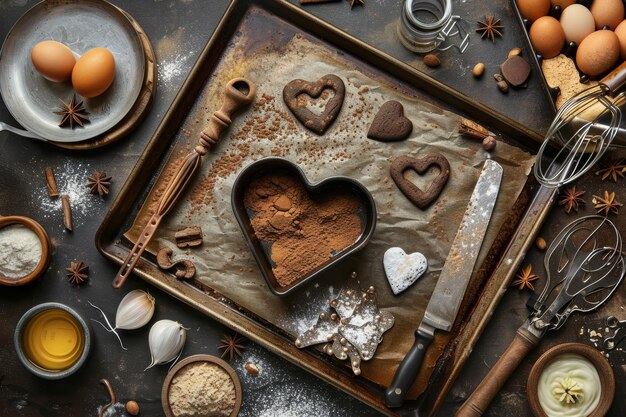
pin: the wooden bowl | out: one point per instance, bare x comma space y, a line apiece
45, 249
165, 391
607, 379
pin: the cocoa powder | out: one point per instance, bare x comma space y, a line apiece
304, 233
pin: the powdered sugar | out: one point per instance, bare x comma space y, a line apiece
278, 391
71, 179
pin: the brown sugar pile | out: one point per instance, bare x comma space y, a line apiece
561, 72
304, 233
202, 389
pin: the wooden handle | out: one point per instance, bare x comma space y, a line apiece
482, 396
239, 94
615, 79
408, 370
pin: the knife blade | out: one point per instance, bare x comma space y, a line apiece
446, 299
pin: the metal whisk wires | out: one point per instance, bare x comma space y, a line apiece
581, 132
584, 265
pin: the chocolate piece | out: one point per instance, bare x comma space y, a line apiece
363, 325
316, 123
188, 237
389, 124
184, 268
421, 199
515, 70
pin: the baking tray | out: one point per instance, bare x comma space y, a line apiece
493, 273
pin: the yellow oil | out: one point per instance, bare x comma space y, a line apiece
53, 340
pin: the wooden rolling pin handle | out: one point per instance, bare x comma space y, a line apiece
615, 79
482, 396
239, 94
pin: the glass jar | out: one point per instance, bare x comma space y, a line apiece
426, 25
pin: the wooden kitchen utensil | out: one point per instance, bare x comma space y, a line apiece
239, 94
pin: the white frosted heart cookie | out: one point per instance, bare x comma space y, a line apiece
403, 269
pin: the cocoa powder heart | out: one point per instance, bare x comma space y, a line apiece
389, 124
421, 199
316, 123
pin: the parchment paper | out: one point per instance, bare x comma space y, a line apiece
225, 264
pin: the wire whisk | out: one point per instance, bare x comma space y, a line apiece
581, 132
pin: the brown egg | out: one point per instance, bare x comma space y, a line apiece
547, 36
620, 31
562, 3
533, 9
598, 52
53, 60
94, 72
607, 13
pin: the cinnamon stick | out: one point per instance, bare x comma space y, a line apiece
67, 212
472, 129
189, 237
53, 191
315, 1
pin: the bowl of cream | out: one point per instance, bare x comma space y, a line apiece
571, 380
24, 250
52, 340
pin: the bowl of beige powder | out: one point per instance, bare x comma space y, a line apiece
24, 250
201, 386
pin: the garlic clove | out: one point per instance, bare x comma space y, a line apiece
135, 310
166, 341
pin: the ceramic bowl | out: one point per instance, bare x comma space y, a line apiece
165, 391
45, 249
607, 379
19, 344
260, 249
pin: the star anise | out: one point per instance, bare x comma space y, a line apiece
571, 199
232, 344
99, 182
73, 113
524, 278
614, 169
357, 2
607, 204
77, 273
490, 28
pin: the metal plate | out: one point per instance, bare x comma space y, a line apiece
81, 25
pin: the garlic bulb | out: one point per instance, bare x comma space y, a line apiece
166, 341
134, 311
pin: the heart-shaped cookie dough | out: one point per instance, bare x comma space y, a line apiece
403, 270
314, 122
389, 124
421, 199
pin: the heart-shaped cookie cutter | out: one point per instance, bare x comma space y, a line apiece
260, 249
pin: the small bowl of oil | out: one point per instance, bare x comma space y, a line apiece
52, 341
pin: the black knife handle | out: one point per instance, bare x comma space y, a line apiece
408, 370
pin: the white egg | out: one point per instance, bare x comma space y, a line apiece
577, 22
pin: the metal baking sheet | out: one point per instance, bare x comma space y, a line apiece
81, 25
170, 140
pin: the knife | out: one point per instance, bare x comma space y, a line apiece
456, 273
